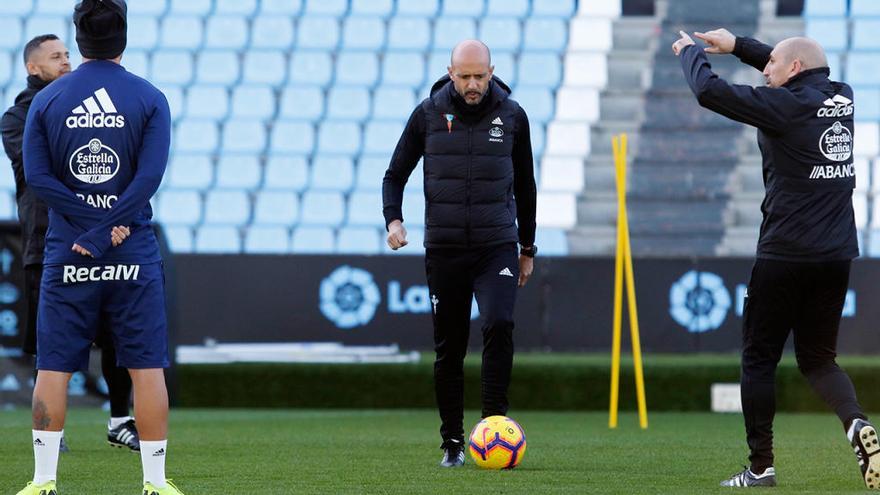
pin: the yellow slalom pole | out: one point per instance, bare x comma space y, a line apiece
631, 298
618, 293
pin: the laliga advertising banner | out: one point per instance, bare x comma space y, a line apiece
685, 305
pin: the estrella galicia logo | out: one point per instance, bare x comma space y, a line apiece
349, 297
699, 301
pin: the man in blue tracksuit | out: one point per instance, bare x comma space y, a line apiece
95, 148
808, 235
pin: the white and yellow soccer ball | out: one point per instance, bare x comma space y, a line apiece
497, 442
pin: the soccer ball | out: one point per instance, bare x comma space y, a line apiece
497, 442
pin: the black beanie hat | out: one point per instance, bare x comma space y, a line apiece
100, 28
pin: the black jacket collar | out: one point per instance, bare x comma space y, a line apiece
817, 77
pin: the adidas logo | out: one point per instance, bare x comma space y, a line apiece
837, 106
39, 443
497, 121
96, 111
159, 453
506, 272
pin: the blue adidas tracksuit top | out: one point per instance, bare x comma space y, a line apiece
96, 146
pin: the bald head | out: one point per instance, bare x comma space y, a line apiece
470, 52
471, 70
808, 51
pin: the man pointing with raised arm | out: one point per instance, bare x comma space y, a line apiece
808, 235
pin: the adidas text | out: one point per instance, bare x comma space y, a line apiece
98, 120
838, 106
74, 274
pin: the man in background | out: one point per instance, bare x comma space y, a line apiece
46, 59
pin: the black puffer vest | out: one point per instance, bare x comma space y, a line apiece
468, 170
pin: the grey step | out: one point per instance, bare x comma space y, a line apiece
744, 212
592, 241
598, 212
634, 33
601, 135
621, 106
666, 245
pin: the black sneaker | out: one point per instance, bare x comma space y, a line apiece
865, 443
125, 436
747, 478
453, 453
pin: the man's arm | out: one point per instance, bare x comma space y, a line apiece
410, 148
524, 189
152, 160
752, 52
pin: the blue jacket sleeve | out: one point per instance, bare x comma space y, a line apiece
152, 160
39, 176
762, 107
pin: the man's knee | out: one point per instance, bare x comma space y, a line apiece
814, 367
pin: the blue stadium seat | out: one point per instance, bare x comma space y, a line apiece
414, 208
539, 69
358, 240
7, 178
193, 7
381, 8
288, 173
416, 246
365, 33
6, 68
370, 172
390, 102
403, 69
323, 208
238, 171
264, 67
348, 103
136, 62
282, 7
864, 8
357, 68
552, 241
867, 100
365, 209
438, 62
326, 7
866, 34
507, 8
501, 33
505, 67
10, 33
171, 67
218, 240
380, 136
256, 102
244, 135
464, 8
312, 240
174, 94
537, 102
190, 171
545, 34
409, 33
53, 7
208, 102
825, 8
552, 8
227, 207
183, 31
834, 65
318, 32
331, 173
449, 31
302, 103
310, 68
830, 33
180, 239
425, 8
143, 32
20, 8
144, 7
272, 32
243, 8
267, 240
42, 24
7, 206
863, 68
339, 137
215, 67
196, 135
276, 208
226, 31
292, 137
537, 134
179, 207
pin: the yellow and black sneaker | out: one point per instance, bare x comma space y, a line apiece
169, 489
47, 488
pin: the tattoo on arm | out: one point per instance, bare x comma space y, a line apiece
40, 415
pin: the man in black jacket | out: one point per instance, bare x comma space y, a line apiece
479, 202
808, 234
46, 59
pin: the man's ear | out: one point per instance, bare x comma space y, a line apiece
32, 69
796, 67
449, 71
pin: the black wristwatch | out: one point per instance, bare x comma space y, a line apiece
529, 251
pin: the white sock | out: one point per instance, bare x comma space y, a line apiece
46, 444
851, 433
115, 422
153, 461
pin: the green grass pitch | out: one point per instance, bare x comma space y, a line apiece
391, 452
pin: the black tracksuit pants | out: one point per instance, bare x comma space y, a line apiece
455, 276
805, 299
